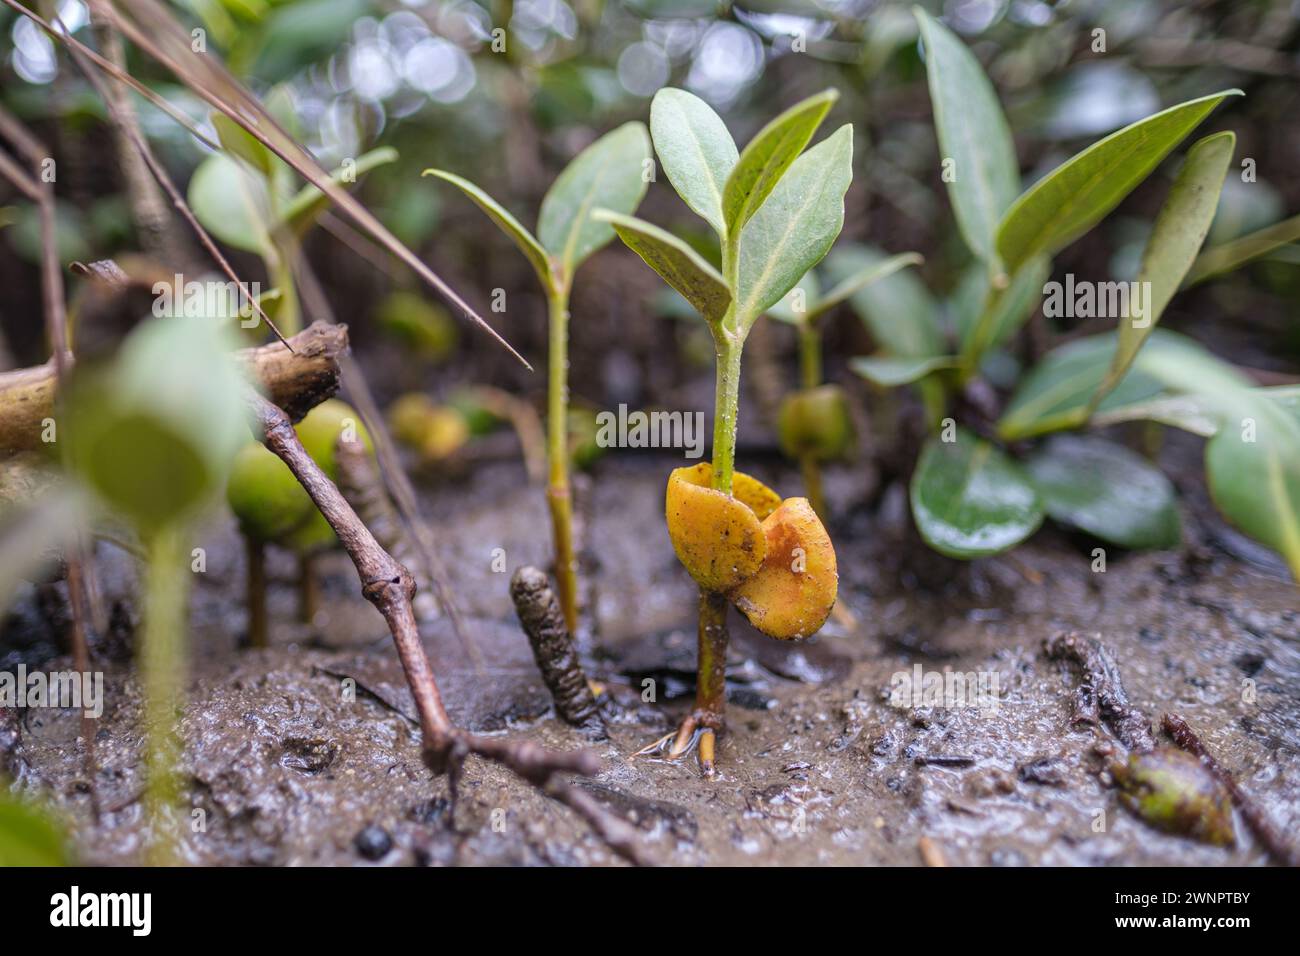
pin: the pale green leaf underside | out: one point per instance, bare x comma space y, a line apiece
508, 224
611, 174
1230, 255
970, 499
973, 133
1201, 414
232, 203
897, 309
1180, 229
695, 149
797, 225
1075, 196
679, 265
767, 157
309, 202
800, 303
854, 283
890, 371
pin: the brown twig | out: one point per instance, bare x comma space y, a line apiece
389, 587
1260, 823
1100, 694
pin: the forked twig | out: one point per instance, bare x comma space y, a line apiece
389, 587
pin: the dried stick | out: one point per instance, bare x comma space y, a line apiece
297, 381
389, 587
1260, 823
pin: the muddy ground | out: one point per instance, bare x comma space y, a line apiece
288, 766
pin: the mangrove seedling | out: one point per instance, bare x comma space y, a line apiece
273, 508
777, 210
970, 497
153, 436
612, 173
813, 423
246, 197
1174, 791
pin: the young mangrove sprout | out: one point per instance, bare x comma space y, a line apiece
814, 424
777, 210
153, 436
273, 508
611, 173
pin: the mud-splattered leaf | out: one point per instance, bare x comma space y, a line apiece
1075, 196
1179, 232
679, 264
973, 137
508, 224
767, 157
1106, 490
611, 173
695, 149
797, 225
970, 500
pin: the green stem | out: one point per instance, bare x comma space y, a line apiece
162, 662
812, 484
558, 495
810, 355
726, 405
711, 686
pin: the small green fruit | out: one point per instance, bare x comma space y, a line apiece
1173, 791
324, 426
815, 422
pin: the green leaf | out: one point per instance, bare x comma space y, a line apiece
1253, 469
786, 310
897, 310
1106, 490
611, 174
508, 224
232, 203
29, 836
239, 142
892, 371
1056, 393
309, 202
679, 264
1231, 255
973, 133
768, 156
797, 225
1002, 314
1180, 229
695, 149
854, 283
1075, 196
970, 500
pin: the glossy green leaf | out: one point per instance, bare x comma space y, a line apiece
970, 499
307, 205
679, 264
1179, 232
612, 173
767, 157
29, 836
973, 135
1075, 196
1253, 469
232, 203
508, 224
797, 225
695, 149
1232, 255
892, 371
1106, 490
897, 310
999, 316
